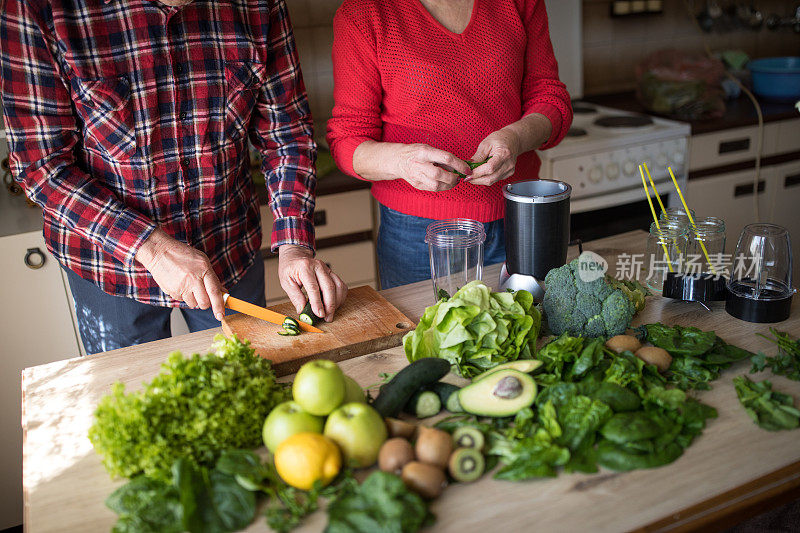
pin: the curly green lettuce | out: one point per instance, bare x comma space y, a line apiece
195, 408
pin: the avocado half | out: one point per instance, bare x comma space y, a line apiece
501, 393
523, 365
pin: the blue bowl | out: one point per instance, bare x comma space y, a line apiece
776, 78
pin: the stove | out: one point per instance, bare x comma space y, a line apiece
602, 151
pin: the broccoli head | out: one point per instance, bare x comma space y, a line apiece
600, 308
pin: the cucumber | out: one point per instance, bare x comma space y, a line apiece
289, 332
448, 395
394, 395
423, 404
308, 316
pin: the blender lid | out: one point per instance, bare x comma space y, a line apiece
537, 191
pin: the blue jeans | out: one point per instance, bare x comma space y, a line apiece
108, 322
403, 253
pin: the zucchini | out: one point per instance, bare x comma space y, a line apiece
394, 395
308, 316
291, 322
448, 395
289, 332
423, 404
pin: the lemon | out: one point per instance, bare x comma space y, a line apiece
307, 457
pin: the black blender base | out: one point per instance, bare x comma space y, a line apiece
758, 311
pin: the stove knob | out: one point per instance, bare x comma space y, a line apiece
596, 174
612, 171
661, 160
629, 168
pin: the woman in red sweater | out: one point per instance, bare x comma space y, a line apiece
421, 85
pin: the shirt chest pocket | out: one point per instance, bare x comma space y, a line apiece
243, 80
106, 107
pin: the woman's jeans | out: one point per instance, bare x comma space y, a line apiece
403, 252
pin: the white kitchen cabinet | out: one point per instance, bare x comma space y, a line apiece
784, 209
730, 197
37, 328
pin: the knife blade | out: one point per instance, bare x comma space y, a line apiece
262, 312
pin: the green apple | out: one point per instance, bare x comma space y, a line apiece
287, 419
319, 387
359, 431
353, 391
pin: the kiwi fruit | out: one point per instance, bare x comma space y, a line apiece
395, 454
433, 446
468, 437
426, 480
466, 464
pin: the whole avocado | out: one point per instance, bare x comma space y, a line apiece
600, 308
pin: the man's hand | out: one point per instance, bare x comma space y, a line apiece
298, 269
182, 272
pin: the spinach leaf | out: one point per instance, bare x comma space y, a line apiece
619, 399
381, 503
212, 501
691, 373
680, 340
146, 505
723, 353
769, 409
621, 459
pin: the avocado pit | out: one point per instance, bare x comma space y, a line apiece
508, 388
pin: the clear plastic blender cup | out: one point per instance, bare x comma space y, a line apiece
455, 248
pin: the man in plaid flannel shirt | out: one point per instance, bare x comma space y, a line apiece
128, 123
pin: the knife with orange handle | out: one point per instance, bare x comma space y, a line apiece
262, 312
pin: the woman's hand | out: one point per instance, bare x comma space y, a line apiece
505, 145
182, 272
298, 269
424, 167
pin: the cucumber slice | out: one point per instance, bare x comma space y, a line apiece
423, 404
448, 394
308, 316
289, 332
291, 322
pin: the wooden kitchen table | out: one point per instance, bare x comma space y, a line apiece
731, 470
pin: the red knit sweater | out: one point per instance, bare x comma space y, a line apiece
400, 76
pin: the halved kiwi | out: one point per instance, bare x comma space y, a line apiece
466, 464
468, 437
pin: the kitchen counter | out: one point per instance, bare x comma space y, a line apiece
738, 112
730, 471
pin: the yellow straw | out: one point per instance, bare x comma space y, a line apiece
653, 185
655, 218
689, 214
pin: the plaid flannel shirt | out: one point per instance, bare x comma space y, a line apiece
127, 115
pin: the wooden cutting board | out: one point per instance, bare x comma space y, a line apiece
365, 323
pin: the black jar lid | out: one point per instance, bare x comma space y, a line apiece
694, 287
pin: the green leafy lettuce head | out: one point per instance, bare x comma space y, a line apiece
195, 407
